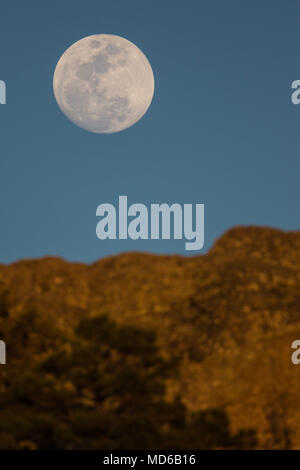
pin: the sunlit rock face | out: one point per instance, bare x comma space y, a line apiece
226, 321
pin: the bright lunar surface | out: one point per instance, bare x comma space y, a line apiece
103, 83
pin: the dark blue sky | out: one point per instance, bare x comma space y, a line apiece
221, 129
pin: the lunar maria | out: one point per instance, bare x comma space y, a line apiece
103, 83
161, 221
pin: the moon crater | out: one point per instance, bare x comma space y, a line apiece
103, 83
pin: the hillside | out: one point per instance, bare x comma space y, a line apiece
205, 343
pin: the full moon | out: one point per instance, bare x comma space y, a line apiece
103, 83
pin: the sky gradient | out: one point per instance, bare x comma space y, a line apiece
221, 129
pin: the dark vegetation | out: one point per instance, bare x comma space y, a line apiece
104, 389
